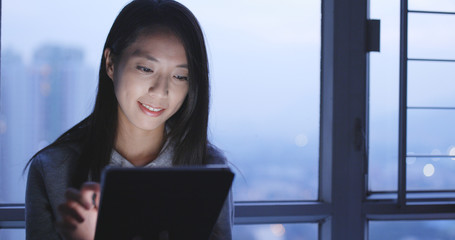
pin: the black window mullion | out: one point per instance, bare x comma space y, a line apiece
403, 104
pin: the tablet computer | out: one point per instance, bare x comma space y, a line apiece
161, 203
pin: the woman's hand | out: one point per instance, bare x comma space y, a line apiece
79, 213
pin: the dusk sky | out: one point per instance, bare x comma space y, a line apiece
264, 61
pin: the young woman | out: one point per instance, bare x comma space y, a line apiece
151, 110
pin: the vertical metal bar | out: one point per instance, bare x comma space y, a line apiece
403, 103
366, 131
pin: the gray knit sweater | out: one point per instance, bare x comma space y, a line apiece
49, 177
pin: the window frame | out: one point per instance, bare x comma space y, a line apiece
404, 206
404, 196
344, 206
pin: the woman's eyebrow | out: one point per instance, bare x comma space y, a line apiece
139, 53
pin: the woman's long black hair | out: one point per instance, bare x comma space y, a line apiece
187, 127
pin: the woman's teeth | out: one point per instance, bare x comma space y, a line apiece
152, 109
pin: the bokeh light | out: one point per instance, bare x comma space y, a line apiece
301, 140
428, 170
278, 229
452, 151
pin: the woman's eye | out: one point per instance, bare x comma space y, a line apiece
144, 69
183, 78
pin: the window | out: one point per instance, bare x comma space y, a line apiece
429, 112
276, 231
251, 117
256, 68
411, 146
412, 229
265, 73
367, 179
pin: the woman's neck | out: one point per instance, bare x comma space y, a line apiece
138, 146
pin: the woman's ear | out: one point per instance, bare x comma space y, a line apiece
109, 63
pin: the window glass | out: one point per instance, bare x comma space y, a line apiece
431, 109
415, 230
50, 58
425, 173
12, 234
265, 111
435, 78
435, 5
265, 66
430, 131
307, 231
431, 105
429, 37
383, 90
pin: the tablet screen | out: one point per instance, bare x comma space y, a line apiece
161, 203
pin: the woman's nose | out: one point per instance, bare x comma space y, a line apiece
159, 86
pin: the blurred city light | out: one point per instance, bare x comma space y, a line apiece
428, 170
278, 229
301, 140
452, 151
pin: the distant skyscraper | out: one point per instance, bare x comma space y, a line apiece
38, 103
16, 114
55, 69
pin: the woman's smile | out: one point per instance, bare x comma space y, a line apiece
150, 111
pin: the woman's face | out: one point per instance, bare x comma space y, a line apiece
150, 80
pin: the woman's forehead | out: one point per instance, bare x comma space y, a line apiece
156, 45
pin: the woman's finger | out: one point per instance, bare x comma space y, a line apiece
75, 195
67, 224
94, 186
71, 209
90, 192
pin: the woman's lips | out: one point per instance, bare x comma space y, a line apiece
149, 110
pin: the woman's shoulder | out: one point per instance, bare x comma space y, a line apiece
67, 148
54, 156
215, 155
49, 176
